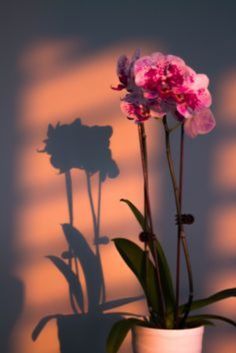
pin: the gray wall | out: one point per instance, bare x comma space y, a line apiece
202, 32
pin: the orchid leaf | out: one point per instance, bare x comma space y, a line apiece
198, 304
71, 278
135, 258
166, 279
195, 321
213, 317
118, 333
138, 215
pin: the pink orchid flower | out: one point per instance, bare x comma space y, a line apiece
200, 123
136, 107
125, 72
160, 84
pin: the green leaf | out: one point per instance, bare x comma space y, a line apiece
196, 321
71, 278
138, 215
135, 258
166, 279
213, 317
197, 304
119, 332
41, 324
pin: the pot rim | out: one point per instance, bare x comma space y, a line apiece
169, 332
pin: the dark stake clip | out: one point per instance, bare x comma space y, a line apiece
184, 219
144, 237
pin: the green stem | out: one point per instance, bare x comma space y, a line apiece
181, 234
148, 215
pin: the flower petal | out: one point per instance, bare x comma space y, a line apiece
200, 81
184, 110
135, 107
123, 64
201, 123
204, 98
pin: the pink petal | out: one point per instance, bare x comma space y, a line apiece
175, 60
204, 97
150, 94
119, 87
128, 109
136, 55
189, 77
184, 110
158, 110
200, 81
134, 106
141, 67
142, 64
123, 68
200, 123
158, 58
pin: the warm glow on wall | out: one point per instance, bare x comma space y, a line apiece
62, 84
227, 97
222, 217
57, 91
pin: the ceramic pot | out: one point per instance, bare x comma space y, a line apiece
151, 340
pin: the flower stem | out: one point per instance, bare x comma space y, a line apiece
178, 191
148, 216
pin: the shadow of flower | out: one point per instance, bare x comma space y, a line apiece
86, 148
79, 146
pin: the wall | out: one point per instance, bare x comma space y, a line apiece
58, 62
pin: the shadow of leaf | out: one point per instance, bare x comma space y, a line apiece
119, 302
41, 324
89, 263
75, 285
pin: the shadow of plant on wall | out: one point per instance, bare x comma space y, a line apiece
85, 148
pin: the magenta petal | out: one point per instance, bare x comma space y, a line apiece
136, 55
135, 107
201, 123
200, 81
141, 68
141, 64
123, 68
128, 109
119, 87
158, 58
183, 110
157, 110
175, 60
204, 97
150, 94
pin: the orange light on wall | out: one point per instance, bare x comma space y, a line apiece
222, 217
226, 98
60, 90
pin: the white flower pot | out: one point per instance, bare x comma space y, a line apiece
151, 340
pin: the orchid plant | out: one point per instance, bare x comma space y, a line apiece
163, 87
